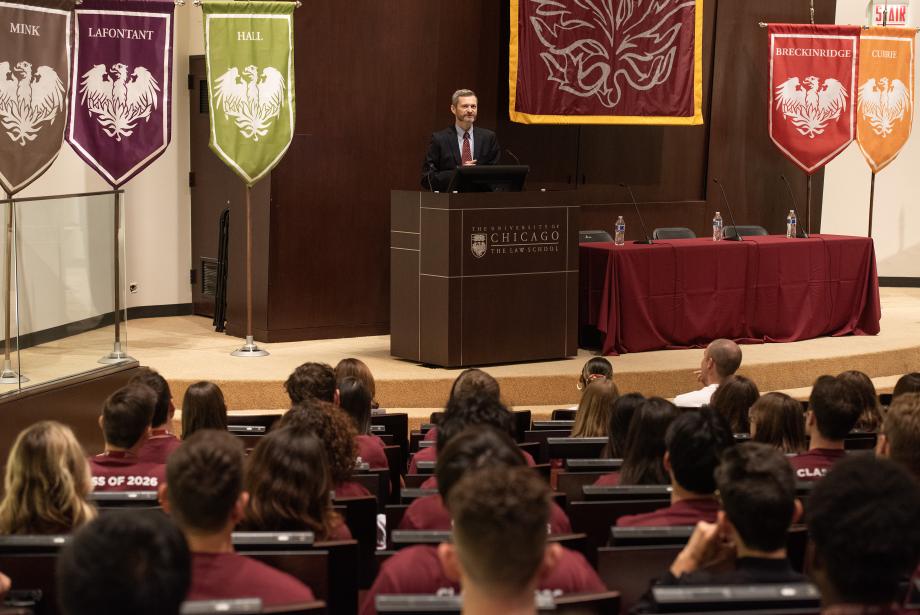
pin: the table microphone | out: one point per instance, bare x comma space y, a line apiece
731, 213
428, 177
635, 203
795, 206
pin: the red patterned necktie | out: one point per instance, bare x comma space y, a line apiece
467, 155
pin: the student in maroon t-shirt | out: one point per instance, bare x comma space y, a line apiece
475, 447
833, 409
125, 424
525, 499
161, 442
125, 562
355, 400
694, 441
288, 484
642, 449
204, 495
862, 521
334, 429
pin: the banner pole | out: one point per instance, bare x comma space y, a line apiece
249, 349
117, 355
871, 202
8, 375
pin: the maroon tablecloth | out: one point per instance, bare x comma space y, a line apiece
685, 293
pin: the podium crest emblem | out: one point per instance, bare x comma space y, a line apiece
479, 244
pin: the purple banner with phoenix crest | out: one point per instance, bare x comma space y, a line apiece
120, 102
34, 73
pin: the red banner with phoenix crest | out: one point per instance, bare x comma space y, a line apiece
813, 71
606, 61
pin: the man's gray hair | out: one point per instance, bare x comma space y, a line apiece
459, 93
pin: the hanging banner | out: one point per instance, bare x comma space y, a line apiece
813, 91
34, 77
250, 59
121, 99
885, 110
606, 62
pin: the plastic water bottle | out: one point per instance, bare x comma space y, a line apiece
717, 227
791, 224
620, 233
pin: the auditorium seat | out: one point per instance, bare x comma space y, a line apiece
673, 232
540, 438
582, 604
262, 420
328, 568
563, 414
554, 425
414, 481
396, 463
408, 495
247, 605
396, 424
629, 570
360, 514
30, 562
571, 480
377, 481
595, 518
583, 448
249, 435
750, 230
106, 501
785, 597
522, 422
594, 236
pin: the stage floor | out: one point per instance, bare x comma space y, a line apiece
186, 349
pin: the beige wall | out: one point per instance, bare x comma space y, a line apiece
158, 229
896, 226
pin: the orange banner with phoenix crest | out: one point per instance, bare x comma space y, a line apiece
886, 93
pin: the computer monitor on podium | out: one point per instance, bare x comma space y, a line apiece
494, 178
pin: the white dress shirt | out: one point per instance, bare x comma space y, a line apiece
696, 399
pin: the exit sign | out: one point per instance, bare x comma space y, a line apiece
897, 13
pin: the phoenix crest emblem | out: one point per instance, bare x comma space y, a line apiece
812, 106
119, 101
29, 98
618, 44
883, 103
253, 100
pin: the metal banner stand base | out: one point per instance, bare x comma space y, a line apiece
116, 356
9, 376
249, 350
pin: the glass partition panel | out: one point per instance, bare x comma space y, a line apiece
64, 291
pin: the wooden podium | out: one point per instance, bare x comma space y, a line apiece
483, 278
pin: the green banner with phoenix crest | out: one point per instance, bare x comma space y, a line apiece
250, 58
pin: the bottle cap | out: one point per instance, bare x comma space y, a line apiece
718, 214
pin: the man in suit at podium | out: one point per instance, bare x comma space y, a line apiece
460, 145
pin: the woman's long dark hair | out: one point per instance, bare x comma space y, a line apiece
733, 400
643, 463
203, 407
624, 408
289, 484
355, 400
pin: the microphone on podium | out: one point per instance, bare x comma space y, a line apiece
428, 177
731, 213
795, 206
516, 159
648, 238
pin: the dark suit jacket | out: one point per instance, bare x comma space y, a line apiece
444, 155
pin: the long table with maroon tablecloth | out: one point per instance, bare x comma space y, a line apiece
685, 293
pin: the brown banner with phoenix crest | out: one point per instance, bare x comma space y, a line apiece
606, 61
34, 77
813, 91
886, 93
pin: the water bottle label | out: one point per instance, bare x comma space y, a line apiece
621, 228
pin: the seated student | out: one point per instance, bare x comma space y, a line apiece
203, 407
757, 489
204, 495
594, 410
471, 381
355, 400
778, 420
899, 437
833, 409
463, 412
506, 510
721, 359
125, 424
312, 380
862, 520
288, 485
643, 456
733, 400
595, 368
335, 431
908, 383
871, 418
695, 441
475, 447
125, 562
624, 408
47, 482
161, 443
356, 368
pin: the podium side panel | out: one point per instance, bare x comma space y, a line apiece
404, 274
438, 320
